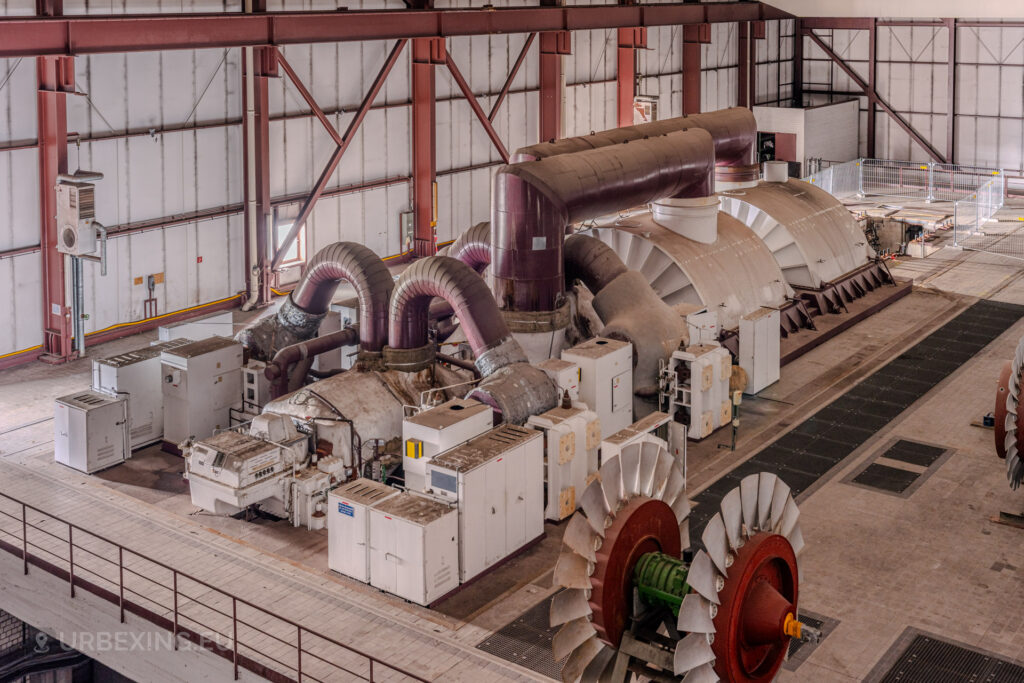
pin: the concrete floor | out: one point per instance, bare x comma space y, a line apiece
874, 562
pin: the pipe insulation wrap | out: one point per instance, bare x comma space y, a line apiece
473, 247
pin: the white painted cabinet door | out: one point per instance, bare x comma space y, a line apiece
515, 499
383, 572
494, 510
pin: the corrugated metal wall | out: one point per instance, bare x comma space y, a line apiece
165, 130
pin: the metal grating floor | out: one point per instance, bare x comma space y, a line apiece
797, 645
807, 452
914, 453
930, 660
886, 478
527, 641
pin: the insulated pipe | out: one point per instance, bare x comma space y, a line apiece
592, 262
473, 247
534, 201
278, 371
733, 130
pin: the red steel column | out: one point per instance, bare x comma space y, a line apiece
694, 35
951, 94
55, 77
553, 45
257, 199
626, 74
426, 52
872, 96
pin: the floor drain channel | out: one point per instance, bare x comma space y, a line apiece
527, 641
919, 657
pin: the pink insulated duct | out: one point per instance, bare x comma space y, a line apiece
282, 371
533, 203
473, 247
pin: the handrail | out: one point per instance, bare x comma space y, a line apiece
239, 661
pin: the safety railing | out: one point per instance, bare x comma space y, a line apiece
973, 227
194, 613
905, 179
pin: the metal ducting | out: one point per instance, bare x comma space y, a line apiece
473, 247
534, 201
810, 233
733, 276
282, 370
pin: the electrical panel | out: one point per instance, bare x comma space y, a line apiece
90, 431
572, 437
605, 380
437, 429
348, 526
201, 383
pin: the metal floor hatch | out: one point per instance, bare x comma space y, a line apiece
527, 641
804, 454
919, 657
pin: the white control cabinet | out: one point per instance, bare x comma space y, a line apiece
414, 547
348, 526
201, 382
606, 380
572, 437
135, 375
706, 392
564, 374
497, 481
436, 430
89, 431
760, 342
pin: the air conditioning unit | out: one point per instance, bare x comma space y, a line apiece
76, 211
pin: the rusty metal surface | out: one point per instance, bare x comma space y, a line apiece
811, 234
734, 276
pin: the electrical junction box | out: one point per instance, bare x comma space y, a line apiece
564, 374
706, 393
759, 353
201, 382
348, 526
497, 482
135, 376
702, 327
90, 431
641, 431
414, 547
606, 380
572, 437
438, 429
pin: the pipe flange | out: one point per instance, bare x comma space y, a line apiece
409, 360
538, 321
507, 351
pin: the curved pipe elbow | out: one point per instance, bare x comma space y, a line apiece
592, 262
473, 247
278, 371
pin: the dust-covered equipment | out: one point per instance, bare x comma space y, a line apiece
632, 605
564, 374
348, 526
437, 429
497, 482
694, 388
572, 437
414, 548
255, 388
135, 376
90, 431
646, 429
759, 348
201, 382
605, 379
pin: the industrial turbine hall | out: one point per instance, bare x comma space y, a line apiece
672, 342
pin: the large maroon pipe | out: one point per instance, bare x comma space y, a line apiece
534, 201
278, 371
366, 272
733, 130
460, 286
473, 247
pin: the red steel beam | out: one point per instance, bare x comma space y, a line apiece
308, 98
869, 91
475, 106
872, 82
256, 199
426, 53
332, 164
503, 93
693, 38
80, 35
630, 39
552, 46
798, 63
951, 93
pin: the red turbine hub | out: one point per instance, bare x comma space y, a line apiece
760, 591
644, 525
1002, 391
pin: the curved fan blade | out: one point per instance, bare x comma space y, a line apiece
681, 507
1010, 443
649, 452
630, 463
568, 605
695, 615
748, 499
580, 658
732, 517
570, 637
765, 489
611, 482
779, 498
796, 539
703, 577
572, 571
790, 515
715, 542
594, 672
661, 473
1015, 471
704, 673
684, 534
675, 486
692, 651
594, 506
581, 537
